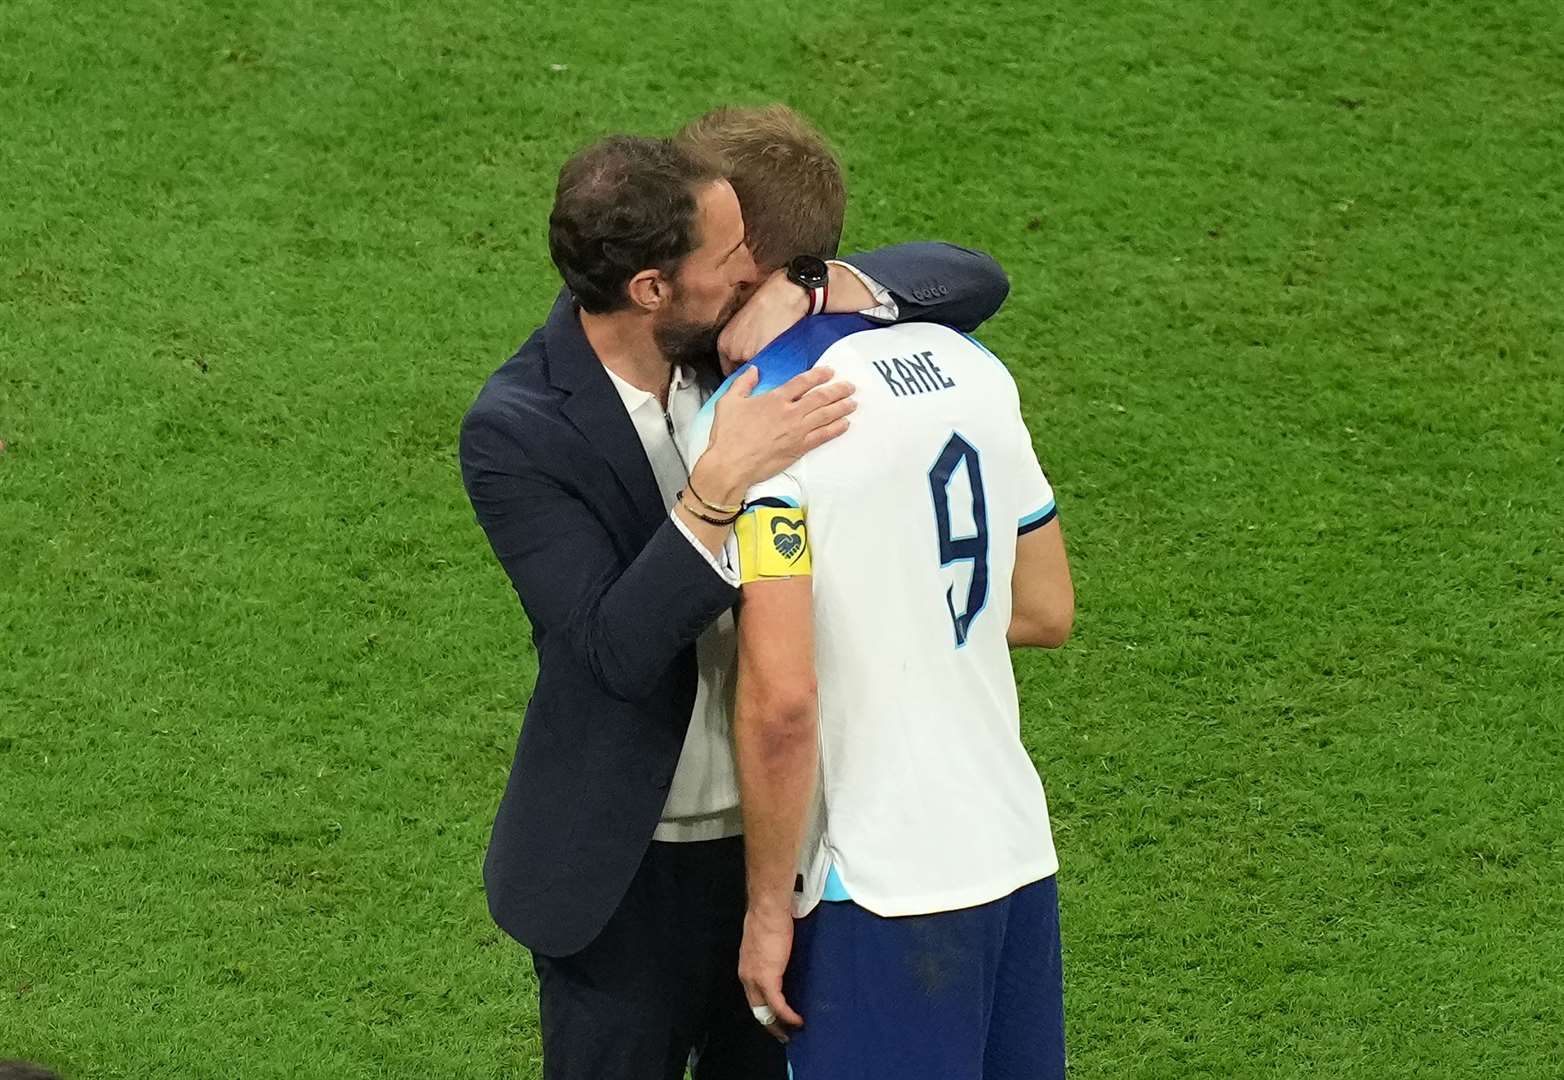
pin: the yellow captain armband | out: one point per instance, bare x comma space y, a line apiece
773, 542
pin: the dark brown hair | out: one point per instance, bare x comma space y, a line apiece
623, 205
788, 179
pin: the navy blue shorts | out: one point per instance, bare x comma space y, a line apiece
976, 994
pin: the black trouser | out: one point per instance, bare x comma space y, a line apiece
660, 983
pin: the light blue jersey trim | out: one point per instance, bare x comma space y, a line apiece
777, 501
795, 352
835, 891
1039, 518
985, 348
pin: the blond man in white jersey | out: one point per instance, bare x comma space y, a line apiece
888, 802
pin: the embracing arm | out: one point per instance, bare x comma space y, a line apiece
925, 282
625, 624
936, 282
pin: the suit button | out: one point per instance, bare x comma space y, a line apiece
944, 290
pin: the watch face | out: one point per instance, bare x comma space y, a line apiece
809, 271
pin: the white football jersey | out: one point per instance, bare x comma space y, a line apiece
928, 801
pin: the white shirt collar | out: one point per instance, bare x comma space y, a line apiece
634, 397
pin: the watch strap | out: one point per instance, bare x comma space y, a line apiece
818, 297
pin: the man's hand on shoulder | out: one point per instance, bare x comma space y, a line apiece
755, 436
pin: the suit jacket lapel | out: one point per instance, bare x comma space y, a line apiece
596, 410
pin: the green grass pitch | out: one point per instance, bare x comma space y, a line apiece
1287, 320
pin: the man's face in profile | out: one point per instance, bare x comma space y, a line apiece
711, 283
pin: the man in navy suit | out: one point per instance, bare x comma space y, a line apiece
616, 855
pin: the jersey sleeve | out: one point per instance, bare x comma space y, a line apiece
1034, 494
771, 537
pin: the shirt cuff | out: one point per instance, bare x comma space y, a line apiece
720, 565
886, 309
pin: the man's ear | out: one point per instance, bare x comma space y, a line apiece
650, 290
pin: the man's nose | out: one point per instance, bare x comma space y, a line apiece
744, 267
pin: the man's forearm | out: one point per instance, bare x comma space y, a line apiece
934, 282
929, 282
625, 624
847, 292
634, 630
710, 480
778, 759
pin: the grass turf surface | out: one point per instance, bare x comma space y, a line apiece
1286, 321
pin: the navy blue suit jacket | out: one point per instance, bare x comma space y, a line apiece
616, 596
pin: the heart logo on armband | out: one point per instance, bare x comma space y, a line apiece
790, 545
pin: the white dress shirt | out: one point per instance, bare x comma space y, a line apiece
703, 801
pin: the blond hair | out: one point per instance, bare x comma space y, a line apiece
787, 177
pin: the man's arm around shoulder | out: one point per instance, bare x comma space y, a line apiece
916, 282
937, 282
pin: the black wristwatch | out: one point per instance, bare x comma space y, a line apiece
813, 276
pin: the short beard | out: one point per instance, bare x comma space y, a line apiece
691, 345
